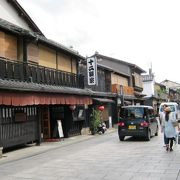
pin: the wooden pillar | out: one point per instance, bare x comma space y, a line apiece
25, 58
39, 125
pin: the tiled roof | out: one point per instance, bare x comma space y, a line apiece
12, 27
120, 61
58, 45
34, 87
104, 94
25, 86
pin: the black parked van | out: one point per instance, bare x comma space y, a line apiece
137, 120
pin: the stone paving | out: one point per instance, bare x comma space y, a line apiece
101, 157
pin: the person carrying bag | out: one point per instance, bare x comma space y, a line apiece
169, 129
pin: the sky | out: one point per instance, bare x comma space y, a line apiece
142, 32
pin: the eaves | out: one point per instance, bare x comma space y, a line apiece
34, 87
121, 61
102, 94
12, 85
112, 70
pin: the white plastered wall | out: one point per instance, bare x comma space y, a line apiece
8, 13
148, 88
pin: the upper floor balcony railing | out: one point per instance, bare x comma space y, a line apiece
20, 71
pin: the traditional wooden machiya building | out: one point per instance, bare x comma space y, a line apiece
119, 83
125, 78
101, 94
39, 82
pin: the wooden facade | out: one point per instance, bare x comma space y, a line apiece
118, 79
126, 90
8, 46
104, 79
18, 125
39, 81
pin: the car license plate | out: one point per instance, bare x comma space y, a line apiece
132, 127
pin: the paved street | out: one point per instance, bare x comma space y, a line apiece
100, 157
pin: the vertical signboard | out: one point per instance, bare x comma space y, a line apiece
60, 130
92, 71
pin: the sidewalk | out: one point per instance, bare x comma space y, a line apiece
33, 149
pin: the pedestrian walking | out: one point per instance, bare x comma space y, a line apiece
162, 122
169, 129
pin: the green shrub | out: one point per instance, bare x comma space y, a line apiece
95, 120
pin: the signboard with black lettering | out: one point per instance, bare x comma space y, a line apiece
92, 71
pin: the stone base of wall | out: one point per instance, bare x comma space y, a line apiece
85, 131
1, 152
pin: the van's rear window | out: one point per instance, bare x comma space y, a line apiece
132, 112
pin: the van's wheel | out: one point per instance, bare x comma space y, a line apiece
156, 134
148, 136
121, 138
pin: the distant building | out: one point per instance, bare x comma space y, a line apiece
155, 92
171, 84
119, 83
173, 89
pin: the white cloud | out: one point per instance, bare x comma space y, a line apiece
140, 31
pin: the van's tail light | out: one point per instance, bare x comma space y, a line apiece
121, 124
144, 124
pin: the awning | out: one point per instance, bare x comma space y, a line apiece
105, 100
24, 99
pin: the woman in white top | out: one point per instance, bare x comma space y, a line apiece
169, 129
